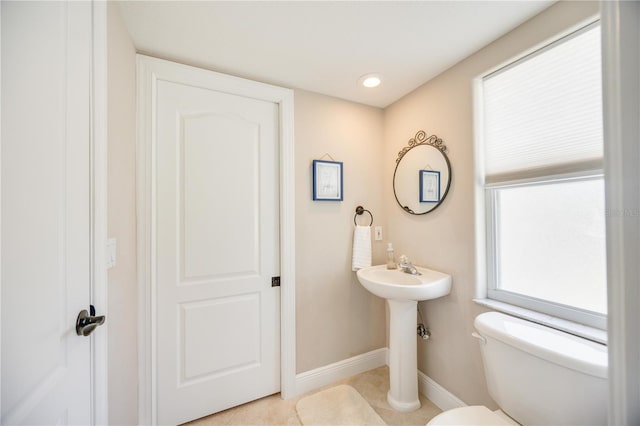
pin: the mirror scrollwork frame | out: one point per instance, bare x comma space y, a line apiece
422, 176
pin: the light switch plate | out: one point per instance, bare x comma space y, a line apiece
378, 233
111, 253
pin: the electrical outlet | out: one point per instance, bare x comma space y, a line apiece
378, 233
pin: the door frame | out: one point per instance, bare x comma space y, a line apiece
98, 209
150, 71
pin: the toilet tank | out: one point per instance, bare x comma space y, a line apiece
541, 376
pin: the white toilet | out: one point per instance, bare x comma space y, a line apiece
537, 376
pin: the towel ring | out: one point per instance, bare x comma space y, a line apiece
359, 211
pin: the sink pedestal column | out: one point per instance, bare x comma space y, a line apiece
403, 356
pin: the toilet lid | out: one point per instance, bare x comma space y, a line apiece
477, 415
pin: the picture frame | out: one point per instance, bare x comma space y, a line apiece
327, 180
429, 186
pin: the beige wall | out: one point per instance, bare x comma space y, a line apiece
122, 280
336, 318
444, 240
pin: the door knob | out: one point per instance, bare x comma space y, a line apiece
88, 321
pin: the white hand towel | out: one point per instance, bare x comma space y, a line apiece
361, 247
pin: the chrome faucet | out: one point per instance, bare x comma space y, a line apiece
406, 266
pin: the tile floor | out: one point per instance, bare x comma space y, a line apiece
372, 385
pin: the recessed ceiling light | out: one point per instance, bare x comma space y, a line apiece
371, 80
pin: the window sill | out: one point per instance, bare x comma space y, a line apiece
581, 330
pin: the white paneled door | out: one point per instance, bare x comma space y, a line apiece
217, 248
46, 212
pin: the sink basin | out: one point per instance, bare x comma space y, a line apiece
403, 292
398, 285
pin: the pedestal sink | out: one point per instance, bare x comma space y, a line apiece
403, 291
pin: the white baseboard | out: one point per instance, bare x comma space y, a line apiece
322, 376
332, 373
437, 394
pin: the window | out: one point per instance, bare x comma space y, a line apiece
541, 159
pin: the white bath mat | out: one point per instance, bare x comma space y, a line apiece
339, 405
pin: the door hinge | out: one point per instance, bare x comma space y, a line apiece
275, 281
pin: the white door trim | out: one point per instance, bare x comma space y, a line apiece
99, 293
150, 70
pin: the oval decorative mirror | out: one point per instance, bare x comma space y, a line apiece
422, 177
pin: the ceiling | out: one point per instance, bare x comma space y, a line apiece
324, 46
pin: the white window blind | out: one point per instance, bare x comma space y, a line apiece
544, 191
543, 113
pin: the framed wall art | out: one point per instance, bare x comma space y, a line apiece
327, 180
